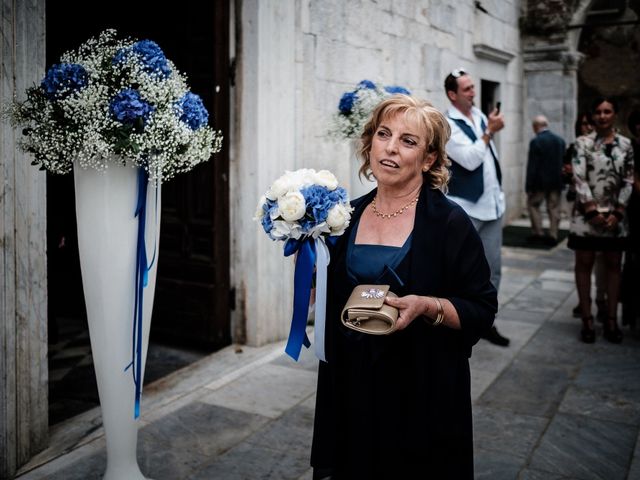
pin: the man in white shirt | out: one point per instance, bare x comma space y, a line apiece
476, 178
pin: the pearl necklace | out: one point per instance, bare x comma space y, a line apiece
394, 214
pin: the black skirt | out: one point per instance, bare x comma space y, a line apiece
598, 244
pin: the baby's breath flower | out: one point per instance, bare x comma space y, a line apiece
355, 108
112, 99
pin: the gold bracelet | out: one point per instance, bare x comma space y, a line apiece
439, 315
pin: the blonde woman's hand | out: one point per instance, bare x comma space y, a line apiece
409, 307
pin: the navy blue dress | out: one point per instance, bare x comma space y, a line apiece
399, 405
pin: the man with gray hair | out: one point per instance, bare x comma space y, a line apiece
544, 180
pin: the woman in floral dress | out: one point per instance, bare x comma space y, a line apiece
603, 175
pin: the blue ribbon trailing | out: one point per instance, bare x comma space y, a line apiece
141, 281
302, 290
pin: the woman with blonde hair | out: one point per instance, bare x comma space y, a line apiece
389, 406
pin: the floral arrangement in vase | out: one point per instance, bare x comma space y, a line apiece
305, 209
113, 99
356, 106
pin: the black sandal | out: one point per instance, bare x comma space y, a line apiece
612, 334
588, 333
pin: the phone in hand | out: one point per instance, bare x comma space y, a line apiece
498, 105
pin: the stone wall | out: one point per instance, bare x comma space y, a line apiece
295, 60
23, 274
414, 44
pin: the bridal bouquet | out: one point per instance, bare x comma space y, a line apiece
355, 107
304, 208
304, 204
115, 98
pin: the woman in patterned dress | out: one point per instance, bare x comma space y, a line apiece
603, 175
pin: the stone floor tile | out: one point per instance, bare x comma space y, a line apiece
531, 474
254, 462
198, 433
559, 343
607, 388
307, 359
280, 388
292, 431
491, 358
503, 431
509, 313
557, 286
308, 475
558, 275
480, 381
519, 333
634, 470
496, 465
527, 387
581, 447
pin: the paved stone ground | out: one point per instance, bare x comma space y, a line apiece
547, 407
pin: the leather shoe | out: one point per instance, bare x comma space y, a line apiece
611, 332
494, 337
588, 333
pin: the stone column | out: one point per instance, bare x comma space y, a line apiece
551, 85
23, 273
264, 147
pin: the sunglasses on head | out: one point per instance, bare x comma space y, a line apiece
458, 72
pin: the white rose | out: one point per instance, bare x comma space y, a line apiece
286, 183
338, 218
325, 178
292, 206
306, 176
259, 210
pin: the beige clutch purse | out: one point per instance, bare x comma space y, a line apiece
366, 311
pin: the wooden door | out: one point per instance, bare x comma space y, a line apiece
192, 292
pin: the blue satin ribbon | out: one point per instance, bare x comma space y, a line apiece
305, 262
141, 281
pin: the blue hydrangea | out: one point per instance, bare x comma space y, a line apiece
366, 84
396, 89
339, 195
194, 113
319, 201
346, 102
128, 106
150, 54
267, 208
62, 79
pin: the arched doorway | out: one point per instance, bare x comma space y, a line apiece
610, 44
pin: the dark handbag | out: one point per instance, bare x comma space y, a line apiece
366, 312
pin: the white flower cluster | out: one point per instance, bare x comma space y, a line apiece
304, 203
355, 108
115, 99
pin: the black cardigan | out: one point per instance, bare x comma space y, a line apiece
401, 403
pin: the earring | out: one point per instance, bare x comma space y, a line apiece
425, 169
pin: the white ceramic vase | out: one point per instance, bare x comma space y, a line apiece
107, 239
359, 184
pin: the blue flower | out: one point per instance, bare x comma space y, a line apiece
193, 110
150, 54
319, 201
267, 208
62, 79
346, 102
339, 195
397, 89
366, 84
128, 106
